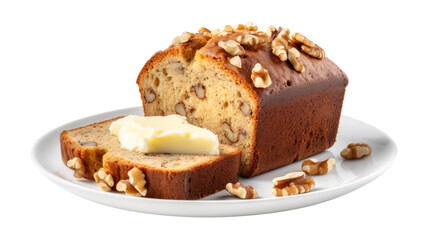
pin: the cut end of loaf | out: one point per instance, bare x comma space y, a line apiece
207, 96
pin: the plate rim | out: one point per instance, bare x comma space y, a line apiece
355, 184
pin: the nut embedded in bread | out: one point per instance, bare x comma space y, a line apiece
287, 114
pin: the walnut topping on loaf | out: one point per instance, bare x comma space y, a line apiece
279, 48
205, 32
248, 35
293, 56
236, 61
252, 39
232, 47
308, 46
182, 38
260, 76
270, 30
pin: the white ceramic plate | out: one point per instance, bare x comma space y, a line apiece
344, 178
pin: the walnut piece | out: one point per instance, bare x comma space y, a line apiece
316, 51
104, 180
205, 32
227, 29
312, 166
291, 184
279, 44
215, 32
137, 179
248, 27
284, 33
180, 109
293, 56
228, 133
240, 28
242, 133
200, 90
270, 30
182, 38
299, 38
149, 95
279, 48
178, 67
307, 46
236, 61
252, 39
223, 32
356, 150
260, 76
77, 165
125, 186
232, 47
241, 191
88, 144
245, 108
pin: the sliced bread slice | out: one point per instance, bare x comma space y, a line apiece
168, 176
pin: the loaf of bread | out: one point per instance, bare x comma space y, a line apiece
273, 94
168, 176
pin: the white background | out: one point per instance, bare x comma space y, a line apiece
64, 60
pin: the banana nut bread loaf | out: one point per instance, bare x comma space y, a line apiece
168, 176
273, 94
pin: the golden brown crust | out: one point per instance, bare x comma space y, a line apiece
310, 127
194, 183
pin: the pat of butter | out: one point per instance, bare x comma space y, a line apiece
169, 134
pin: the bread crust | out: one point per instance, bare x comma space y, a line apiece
297, 115
193, 183
311, 127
